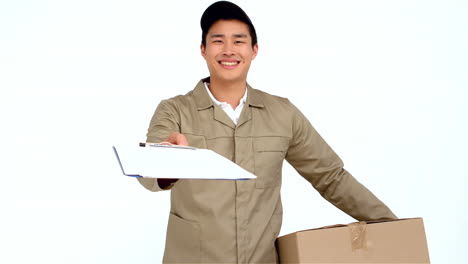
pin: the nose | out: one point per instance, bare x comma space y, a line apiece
228, 49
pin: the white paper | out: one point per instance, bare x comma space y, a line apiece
177, 163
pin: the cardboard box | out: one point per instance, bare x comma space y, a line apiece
398, 241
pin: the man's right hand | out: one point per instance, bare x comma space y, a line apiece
177, 138
174, 138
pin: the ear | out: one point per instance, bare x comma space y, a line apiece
202, 50
255, 51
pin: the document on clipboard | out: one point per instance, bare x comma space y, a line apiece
151, 160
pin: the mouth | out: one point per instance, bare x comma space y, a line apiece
229, 64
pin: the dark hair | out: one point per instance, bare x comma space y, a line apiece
224, 10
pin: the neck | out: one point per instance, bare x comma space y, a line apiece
228, 91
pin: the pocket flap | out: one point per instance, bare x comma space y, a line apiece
271, 144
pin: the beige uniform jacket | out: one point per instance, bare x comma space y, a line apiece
224, 221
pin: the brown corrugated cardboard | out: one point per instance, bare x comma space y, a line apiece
399, 241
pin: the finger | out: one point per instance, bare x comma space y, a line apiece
177, 139
181, 140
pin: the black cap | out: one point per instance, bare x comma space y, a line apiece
224, 10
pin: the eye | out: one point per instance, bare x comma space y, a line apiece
217, 41
239, 42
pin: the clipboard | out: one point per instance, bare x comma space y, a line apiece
176, 162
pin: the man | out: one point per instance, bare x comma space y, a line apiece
213, 221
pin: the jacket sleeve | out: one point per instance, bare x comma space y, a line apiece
165, 120
311, 156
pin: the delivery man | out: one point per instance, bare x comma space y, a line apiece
224, 221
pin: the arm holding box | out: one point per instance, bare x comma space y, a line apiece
311, 156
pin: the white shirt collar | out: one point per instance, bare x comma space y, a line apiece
224, 104
233, 114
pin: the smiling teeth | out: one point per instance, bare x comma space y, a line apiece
228, 63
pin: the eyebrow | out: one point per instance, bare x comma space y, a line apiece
240, 35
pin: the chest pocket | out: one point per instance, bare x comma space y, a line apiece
269, 153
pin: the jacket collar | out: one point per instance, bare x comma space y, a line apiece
203, 100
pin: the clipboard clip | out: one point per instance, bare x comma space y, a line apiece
165, 145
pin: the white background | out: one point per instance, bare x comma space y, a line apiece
384, 82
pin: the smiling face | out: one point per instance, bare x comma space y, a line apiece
229, 51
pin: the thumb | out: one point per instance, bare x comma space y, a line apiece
177, 138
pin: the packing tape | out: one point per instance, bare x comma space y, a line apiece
358, 235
